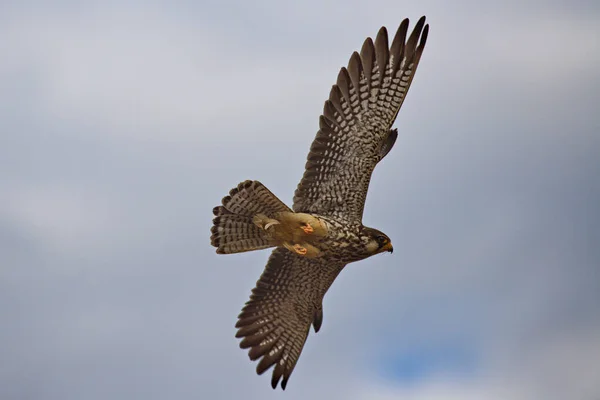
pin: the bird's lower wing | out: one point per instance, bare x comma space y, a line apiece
275, 322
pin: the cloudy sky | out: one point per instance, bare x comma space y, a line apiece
122, 125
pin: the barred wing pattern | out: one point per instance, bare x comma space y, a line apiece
354, 132
276, 320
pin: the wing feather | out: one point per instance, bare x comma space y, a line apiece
367, 56
355, 127
275, 322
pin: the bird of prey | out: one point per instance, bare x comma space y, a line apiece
323, 231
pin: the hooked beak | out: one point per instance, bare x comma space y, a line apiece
387, 247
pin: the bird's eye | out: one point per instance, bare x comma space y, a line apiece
381, 240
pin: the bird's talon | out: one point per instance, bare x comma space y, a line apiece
300, 250
270, 224
307, 228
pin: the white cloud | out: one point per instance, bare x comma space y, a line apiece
551, 368
148, 74
439, 390
64, 218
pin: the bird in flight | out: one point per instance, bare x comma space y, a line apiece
323, 232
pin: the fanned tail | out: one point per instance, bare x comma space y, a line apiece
233, 228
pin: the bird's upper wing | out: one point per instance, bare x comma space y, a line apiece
287, 298
354, 132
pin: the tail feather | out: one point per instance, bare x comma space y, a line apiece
250, 198
233, 228
237, 233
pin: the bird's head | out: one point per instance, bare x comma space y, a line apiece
377, 241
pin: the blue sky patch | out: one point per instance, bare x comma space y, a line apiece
418, 363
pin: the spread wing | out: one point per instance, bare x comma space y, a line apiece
287, 298
354, 132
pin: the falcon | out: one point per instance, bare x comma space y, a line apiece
323, 231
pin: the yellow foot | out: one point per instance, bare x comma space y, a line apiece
300, 250
307, 228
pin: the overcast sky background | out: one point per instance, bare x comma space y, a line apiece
123, 125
